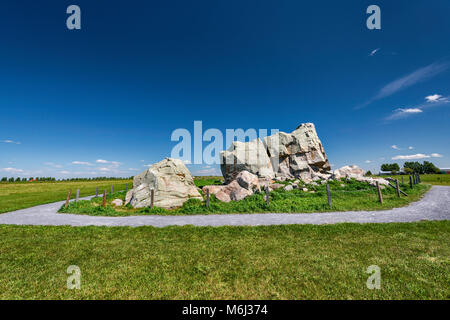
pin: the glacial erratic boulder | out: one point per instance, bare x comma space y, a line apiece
246, 156
172, 184
282, 156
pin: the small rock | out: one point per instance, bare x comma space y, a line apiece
275, 186
117, 202
305, 189
288, 187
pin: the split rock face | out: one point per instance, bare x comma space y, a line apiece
298, 154
171, 181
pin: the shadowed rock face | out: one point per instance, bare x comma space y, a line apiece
172, 184
298, 154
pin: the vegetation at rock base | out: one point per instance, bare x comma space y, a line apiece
346, 196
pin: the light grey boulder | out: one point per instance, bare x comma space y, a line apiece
171, 181
288, 187
246, 156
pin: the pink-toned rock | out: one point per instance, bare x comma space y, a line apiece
223, 196
275, 186
248, 180
213, 189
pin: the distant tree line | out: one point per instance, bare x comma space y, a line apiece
46, 179
411, 167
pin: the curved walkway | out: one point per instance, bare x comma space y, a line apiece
434, 206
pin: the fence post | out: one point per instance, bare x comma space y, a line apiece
126, 188
104, 199
207, 197
410, 182
380, 196
397, 187
68, 198
112, 189
152, 197
96, 192
329, 195
267, 195
402, 179
78, 195
418, 178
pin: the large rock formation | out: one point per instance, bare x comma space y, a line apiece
172, 184
298, 154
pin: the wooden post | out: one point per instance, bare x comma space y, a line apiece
96, 192
380, 196
418, 178
267, 195
78, 195
410, 181
104, 199
126, 188
68, 198
207, 198
397, 187
329, 195
112, 189
402, 179
152, 197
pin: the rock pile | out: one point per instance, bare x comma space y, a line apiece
282, 156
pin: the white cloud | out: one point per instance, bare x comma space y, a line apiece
368, 161
104, 169
187, 161
372, 53
433, 98
12, 170
401, 113
10, 141
52, 164
411, 157
82, 163
64, 172
436, 155
113, 164
410, 148
395, 147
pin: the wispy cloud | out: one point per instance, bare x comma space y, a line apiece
436, 155
417, 156
52, 164
81, 163
410, 148
368, 161
372, 53
402, 113
408, 80
10, 141
12, 170
395, 147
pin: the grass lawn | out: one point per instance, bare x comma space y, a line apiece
274, 262
434, 179
14, 196
346, 196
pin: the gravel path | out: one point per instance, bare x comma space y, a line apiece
434, 206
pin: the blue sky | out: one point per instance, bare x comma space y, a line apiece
105, 99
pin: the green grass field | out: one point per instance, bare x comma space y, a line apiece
353, 195
434, 179
276, 262
14, 196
